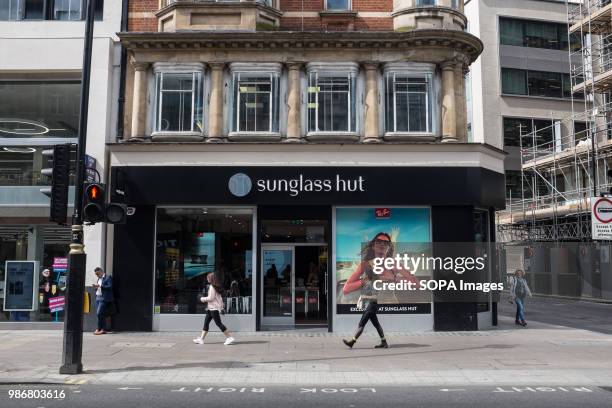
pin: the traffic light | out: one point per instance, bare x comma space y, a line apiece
95, 208
94, 202
60, 181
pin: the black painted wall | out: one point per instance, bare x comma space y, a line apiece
453, 224
133, 257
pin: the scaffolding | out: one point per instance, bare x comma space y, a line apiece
565, 164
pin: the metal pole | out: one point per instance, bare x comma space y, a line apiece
73, 317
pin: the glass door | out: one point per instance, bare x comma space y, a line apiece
278, 283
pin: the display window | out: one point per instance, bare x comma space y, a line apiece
194, 242
365, 233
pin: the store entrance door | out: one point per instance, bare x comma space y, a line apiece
294, 282
278, 283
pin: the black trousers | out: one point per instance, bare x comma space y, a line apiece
370, 314
213, 315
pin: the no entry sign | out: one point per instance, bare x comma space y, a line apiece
601, 218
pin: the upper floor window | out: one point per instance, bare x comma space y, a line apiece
408, 102
536, 83
331, 101
47, 9
525, 131
536, 34
420, 3
179, 102
256, 102
39, 109
338, 4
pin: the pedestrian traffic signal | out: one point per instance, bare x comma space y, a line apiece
94, 202
116, 213
95, 208
59, 172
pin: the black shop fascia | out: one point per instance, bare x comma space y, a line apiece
452, 194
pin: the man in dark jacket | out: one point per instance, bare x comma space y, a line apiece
104, 297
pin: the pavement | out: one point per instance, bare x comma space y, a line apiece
542, 354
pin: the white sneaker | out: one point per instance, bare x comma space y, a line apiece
228, 341
198, 340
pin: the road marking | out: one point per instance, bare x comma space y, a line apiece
80, 382
129, 388
451, 389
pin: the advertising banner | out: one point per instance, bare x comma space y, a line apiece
363, 234
56, 304
20, 288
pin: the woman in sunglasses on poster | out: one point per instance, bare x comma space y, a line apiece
363, 279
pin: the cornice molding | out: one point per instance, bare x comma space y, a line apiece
460, 41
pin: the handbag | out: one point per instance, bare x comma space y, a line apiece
360, 303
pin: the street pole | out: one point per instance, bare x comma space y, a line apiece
73, 316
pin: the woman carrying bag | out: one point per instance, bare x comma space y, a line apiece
213, 310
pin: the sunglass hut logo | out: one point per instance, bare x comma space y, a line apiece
241, 185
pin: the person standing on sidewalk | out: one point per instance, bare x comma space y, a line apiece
104, 298
519, 292
213, 310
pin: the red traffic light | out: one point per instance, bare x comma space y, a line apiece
94, 192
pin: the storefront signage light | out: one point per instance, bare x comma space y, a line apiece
240, 185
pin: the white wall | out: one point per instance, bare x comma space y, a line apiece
45, 47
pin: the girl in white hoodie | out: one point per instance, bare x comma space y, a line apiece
213, 311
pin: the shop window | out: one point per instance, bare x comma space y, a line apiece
331, 102
179, 102
194, 242
39, 109
363, 234
338, 4
256, 102
408, 102
13, 10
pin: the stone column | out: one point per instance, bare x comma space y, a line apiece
372, 134
461, 104
294, 105
215, 115
139, 102
449, 118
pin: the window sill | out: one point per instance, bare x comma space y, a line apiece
409, 137
254, 136
332, 137
548, 98
338, 13
177, 137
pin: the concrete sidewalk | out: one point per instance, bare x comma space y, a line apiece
539, 355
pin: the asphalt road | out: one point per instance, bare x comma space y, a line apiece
576, 314
148, 396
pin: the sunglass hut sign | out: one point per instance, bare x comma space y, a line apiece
241, 185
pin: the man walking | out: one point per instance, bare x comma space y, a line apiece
104, 298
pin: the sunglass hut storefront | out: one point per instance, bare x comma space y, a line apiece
284, 232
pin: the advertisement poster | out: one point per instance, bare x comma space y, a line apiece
358, 230
56, 304
20, 290
199, 254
